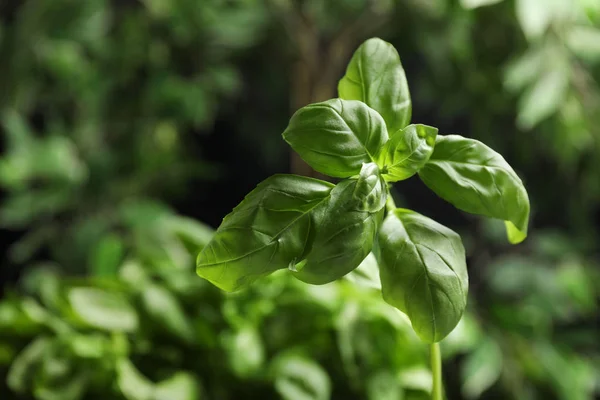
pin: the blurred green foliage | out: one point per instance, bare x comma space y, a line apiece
158, 332
97, 102
101, 103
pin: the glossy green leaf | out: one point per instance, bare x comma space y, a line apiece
103, 309
337, 136
423, 272
375, 76
346, 227
407, 151
367, 273
267, 231
476, 179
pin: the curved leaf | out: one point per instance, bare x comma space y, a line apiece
476, 179
267, 231
337, 136
367, 273
407, 151
423, 272
346, 228
375, 76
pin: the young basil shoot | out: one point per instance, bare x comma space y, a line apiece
321, 232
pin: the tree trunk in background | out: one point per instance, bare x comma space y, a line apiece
307, 86
315, 76
320, 65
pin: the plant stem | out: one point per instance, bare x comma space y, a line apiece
390, 204
436, 371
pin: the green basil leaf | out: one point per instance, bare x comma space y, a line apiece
337, 136
476, 179
367, 273
267, 231
375, 76
346, 227
423, 272
407, 151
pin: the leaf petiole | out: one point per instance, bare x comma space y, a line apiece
390, 204
436, 372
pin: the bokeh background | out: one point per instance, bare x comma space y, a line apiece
131, 127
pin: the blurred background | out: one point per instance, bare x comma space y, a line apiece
131, 127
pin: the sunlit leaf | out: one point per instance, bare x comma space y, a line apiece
407, 151
375, 76
345, 228
476, 179
267, 231
337, 136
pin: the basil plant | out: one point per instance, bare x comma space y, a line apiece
320, 231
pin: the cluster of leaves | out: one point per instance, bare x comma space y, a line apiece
99, 99
321, 231
155, 332
152, 332
530, 69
